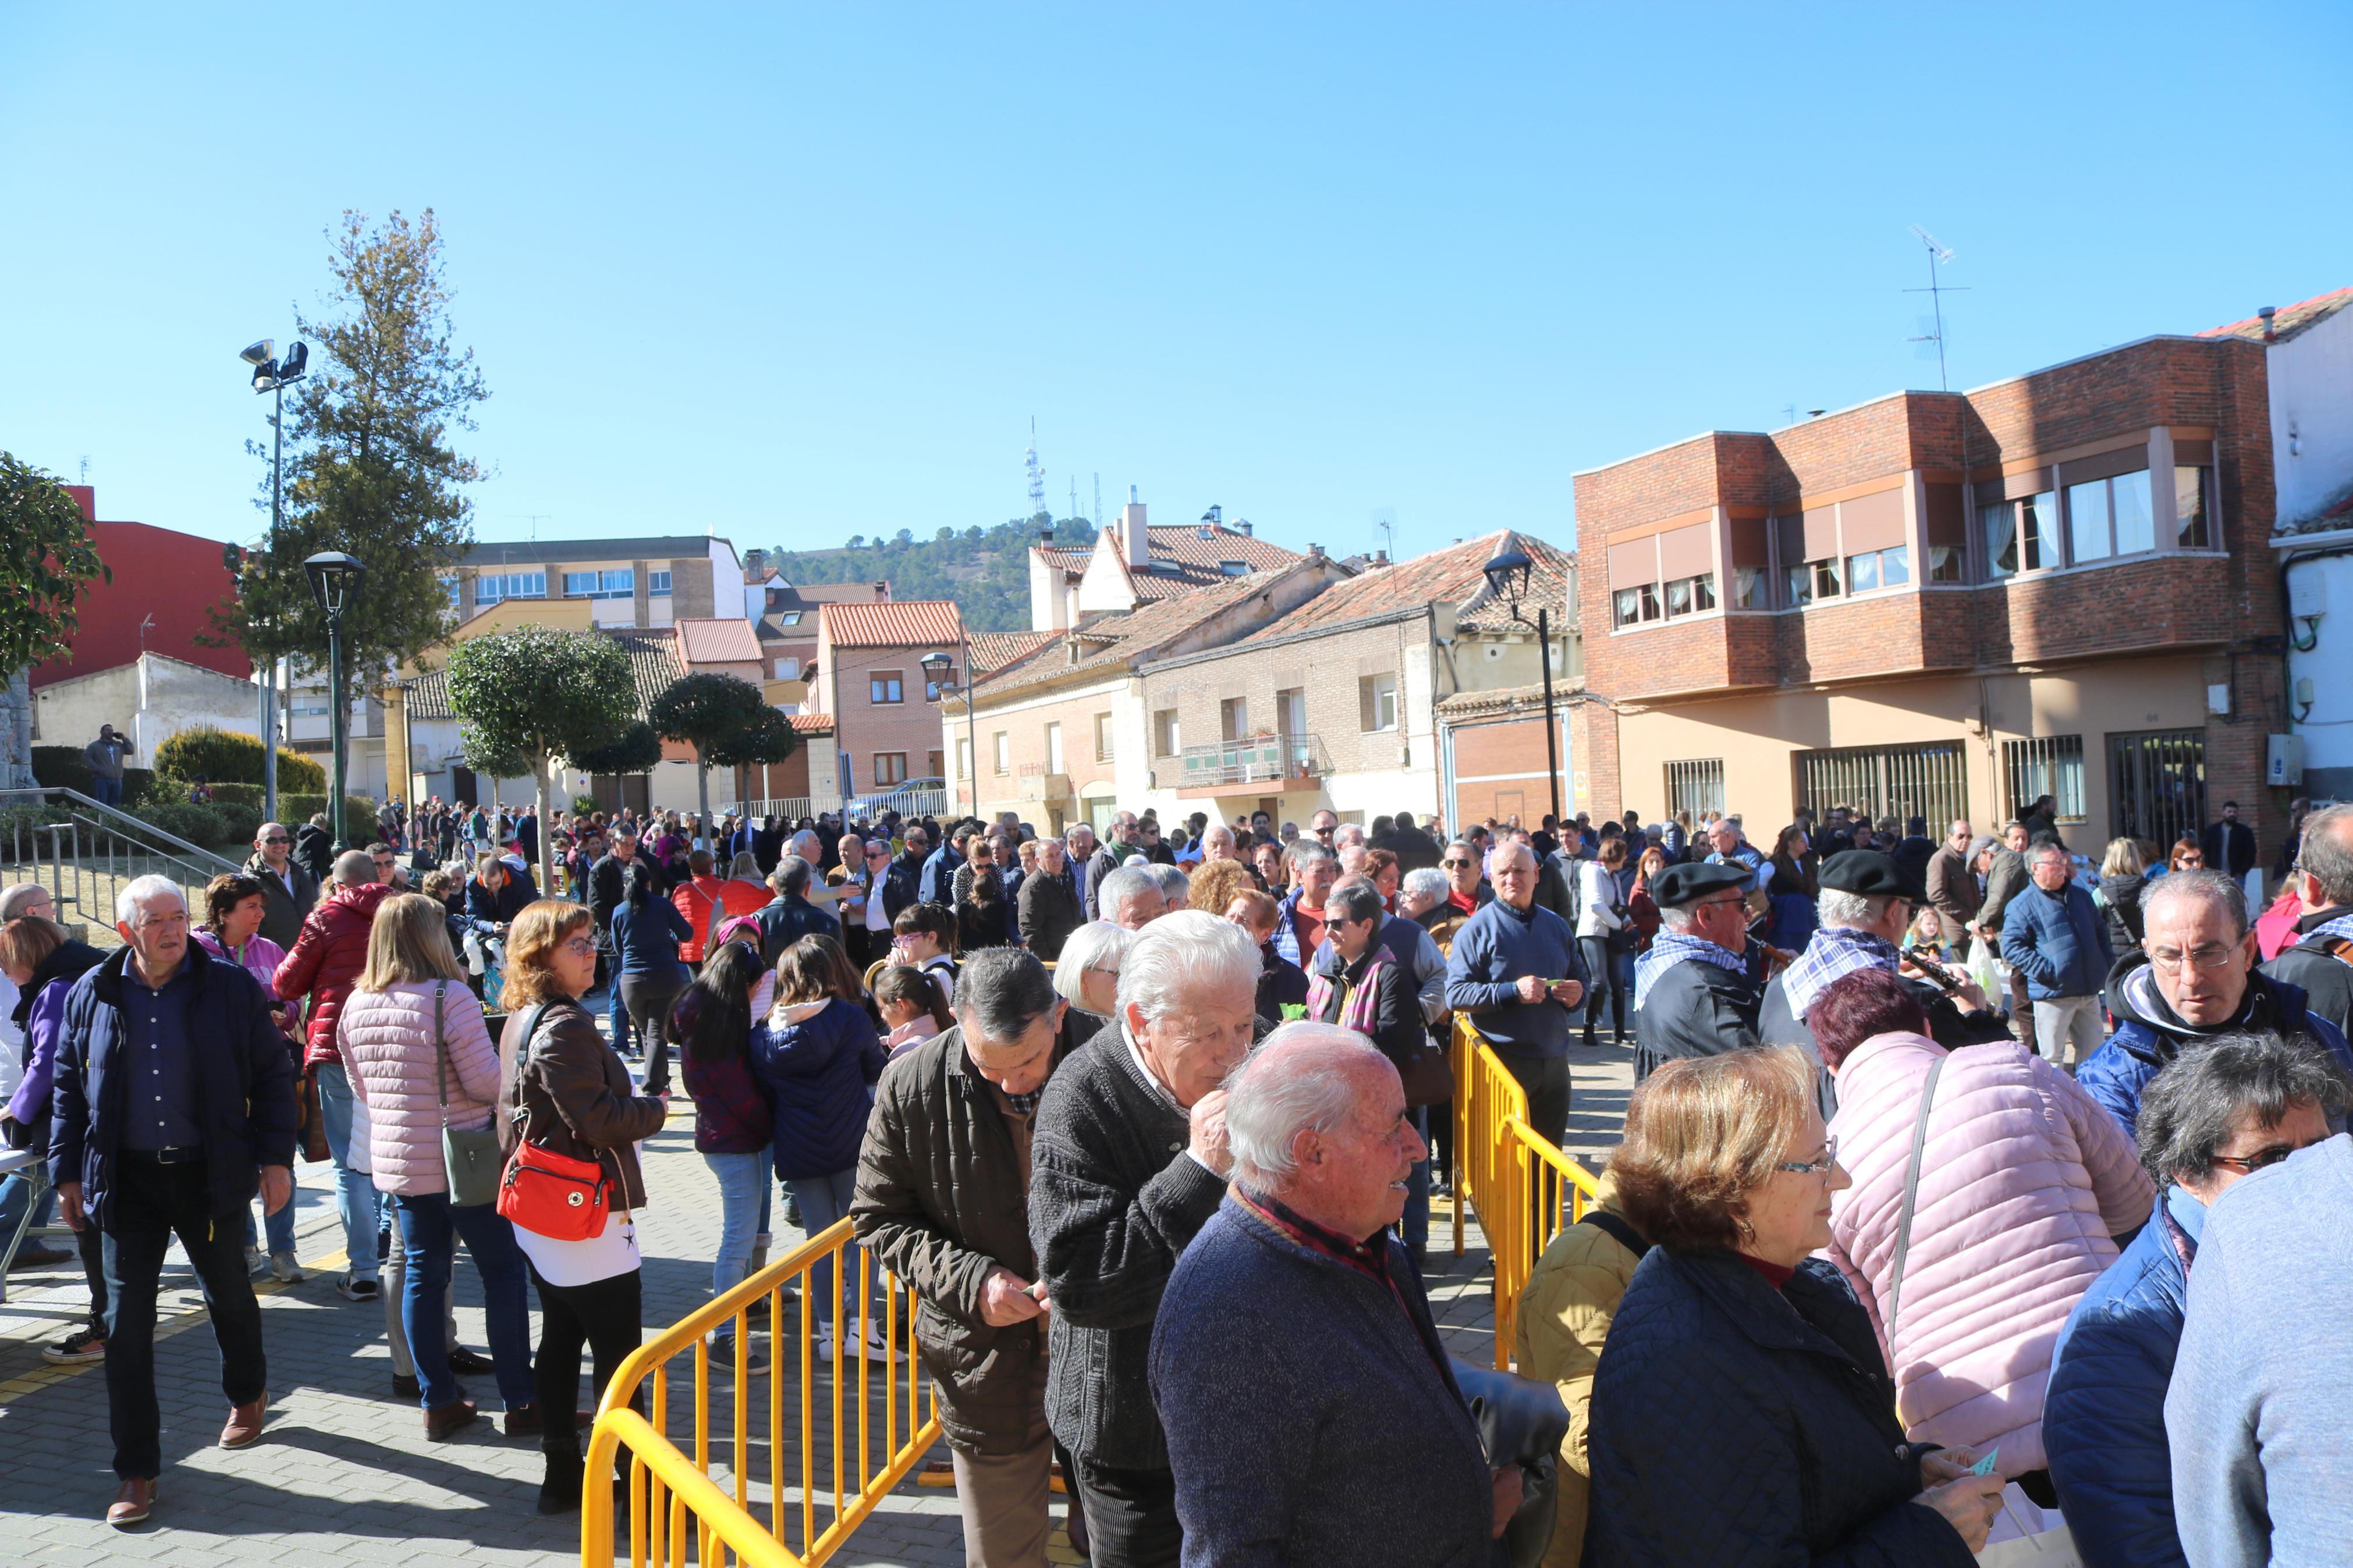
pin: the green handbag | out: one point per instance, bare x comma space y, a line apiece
473, 1159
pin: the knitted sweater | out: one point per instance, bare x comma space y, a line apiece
1114, 1201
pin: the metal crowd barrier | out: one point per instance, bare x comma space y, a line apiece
873, 1421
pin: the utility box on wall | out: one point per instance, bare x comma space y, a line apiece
2283, 767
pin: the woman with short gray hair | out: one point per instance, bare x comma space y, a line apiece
2223, 1110
1087, 978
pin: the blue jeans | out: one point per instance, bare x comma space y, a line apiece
106, 792
429, 1228
279, 1226
355, 1196
617, 1011
823, 1200
15, 1192
743, 1194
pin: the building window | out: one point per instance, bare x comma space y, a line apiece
1631, 606
2156, 786
1696, 787
2045, 764
1053, 748
1686, 594
2193, 491
1102, 738
1004, 749
1811, 580
1748, 588
964, 758
882, 687
1929, 780
1946, 563
492, 588
2021, 535
1889, 568
1164, 733
1234, 568
789, 618
1233, 717
1377, 703
889, 767
657, 582
620, 585
450, 586
788, 668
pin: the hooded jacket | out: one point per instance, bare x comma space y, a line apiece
2148, 1033
327, 959
817, 1063
2311, 964
2023, 1182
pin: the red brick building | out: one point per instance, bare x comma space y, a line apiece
1948, 604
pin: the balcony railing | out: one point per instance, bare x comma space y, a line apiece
1263, 759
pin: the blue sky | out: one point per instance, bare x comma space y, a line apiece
794, 274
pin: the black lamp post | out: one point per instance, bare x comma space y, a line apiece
937, 671
273, 377
335, 578
1507, 578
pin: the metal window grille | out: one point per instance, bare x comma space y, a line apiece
1929, 780
2045, 764
1696, 787
2157, 784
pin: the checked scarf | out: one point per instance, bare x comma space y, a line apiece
1670, 948
1834, 951
2338, 930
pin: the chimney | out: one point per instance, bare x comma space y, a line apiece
882, 591
1134, 532
1315, 552
1381, 558
1244, 523
2271, 334
755, 563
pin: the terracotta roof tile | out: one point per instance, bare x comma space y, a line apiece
428, 695
911, 622
1114, 640
1454, 575
993, 651
2289, 320
653, 660
1186, 545
717, 641
811, 723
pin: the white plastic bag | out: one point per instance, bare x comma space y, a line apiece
2025, 1536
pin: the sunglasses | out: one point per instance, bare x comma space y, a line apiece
278, 838
2250, 1163
1457, 865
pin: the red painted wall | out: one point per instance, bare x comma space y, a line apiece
172, 576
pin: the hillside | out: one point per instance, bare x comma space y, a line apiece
984, 570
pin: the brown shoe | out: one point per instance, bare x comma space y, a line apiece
133, 1500
243, 1427
443, 1419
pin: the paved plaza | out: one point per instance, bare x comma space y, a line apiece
343, 1474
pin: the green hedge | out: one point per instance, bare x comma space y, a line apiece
228, 756
359, 813
60, 767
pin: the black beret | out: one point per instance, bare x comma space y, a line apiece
1868, 872
1680, 885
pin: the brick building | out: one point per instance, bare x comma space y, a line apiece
1948, 604
647, 582
869, 683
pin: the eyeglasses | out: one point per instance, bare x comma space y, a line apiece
2214, 955
1808, 1167
277, 839
1457, 865
878, 854
2250, 1163
580, 947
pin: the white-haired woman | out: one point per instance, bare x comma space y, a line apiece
1087, 978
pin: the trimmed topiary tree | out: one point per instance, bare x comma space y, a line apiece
726, 720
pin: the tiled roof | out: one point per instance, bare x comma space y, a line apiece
811, 723
717, 640
913, 623
996, 650
1504, 700
1454, 575
2289, 320
1068, 557
1188, 546
428, 695
653, 661
1115, 640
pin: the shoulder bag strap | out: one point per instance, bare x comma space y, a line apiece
1911, 1196
1617, 1230
521, 1058
442, 1052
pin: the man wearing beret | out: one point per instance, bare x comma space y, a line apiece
1693, 996
1864, 905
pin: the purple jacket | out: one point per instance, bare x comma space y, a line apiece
41, 1032
731, 1113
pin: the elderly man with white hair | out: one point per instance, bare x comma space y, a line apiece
1175, 887
1132, 896
1312, 1414
1217, 843
1047, 907
1129, 1163
143, 1145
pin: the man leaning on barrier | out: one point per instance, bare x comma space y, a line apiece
942, 1200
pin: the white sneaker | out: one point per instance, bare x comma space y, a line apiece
254, 1260
878, 1345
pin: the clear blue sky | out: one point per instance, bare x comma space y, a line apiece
793, 275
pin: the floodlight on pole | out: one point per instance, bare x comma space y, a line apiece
272, 377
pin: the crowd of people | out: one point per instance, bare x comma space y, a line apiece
1923, 1148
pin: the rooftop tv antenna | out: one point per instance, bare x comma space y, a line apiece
1037, 474
1099, 503
1384, 519
1933, 327
535, 519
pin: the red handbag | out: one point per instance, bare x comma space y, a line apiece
546, 1192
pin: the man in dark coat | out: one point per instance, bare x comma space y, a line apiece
791, 916
1692, 991
287, 890
903, 884
2323, 878
943, 1202
211, 1123
314, 847
1048, 908
2230, 844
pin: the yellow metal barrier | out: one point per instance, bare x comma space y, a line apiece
1525, 1189
873, 1424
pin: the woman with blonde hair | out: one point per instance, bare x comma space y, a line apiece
1737, 1341
1215, 884
2121, 886
421, 1060
564, 1090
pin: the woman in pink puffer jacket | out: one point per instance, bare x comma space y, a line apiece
388, 1036
2024, 1184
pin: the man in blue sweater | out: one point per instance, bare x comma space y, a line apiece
1515, 971
2052, 935
1361, 1450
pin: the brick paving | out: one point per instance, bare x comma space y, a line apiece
342, 1474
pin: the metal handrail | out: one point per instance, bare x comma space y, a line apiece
94, 849
123, 821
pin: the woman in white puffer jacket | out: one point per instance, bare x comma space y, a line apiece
397, 1051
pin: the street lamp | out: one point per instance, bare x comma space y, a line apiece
272, 376
1507, 578
335, 578
937, 671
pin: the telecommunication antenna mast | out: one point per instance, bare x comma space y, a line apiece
1037, 475
1939, 253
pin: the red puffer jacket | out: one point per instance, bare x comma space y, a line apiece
327, 958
